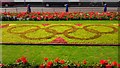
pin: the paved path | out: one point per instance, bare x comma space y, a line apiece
58, 9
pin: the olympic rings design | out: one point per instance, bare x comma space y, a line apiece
65, 32
73, 28
46, 37
73, 37
95, 31
24, 32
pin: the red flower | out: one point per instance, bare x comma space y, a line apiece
118, 65
111, 18
108, 66
56, 60
67, 19
114, 63
65, 67
42, 66
1, 65
4, 25
48, 66
38, 18
45, 24
33, 17
78, 24
45, 59
62, 61
24, 60
38, 13
78, 65
59, 40
103, 62
18, 60
84, 62
50, 63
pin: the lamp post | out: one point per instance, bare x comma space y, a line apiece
24, 2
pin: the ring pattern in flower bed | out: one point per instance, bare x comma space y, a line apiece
96, 31
10, 30
66, 32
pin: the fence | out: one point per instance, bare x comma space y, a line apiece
58, 9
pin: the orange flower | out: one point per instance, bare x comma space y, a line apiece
45, 59
18, 60
62, 61
78, 65
84, 62
56, 60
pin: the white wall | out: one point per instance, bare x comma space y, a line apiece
7, 0
99, 0
73, 0
28, 0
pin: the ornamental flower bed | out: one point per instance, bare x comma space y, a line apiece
58, 63
38, 16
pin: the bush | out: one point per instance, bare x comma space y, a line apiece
46, 16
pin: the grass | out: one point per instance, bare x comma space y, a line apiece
64, 22
36, 53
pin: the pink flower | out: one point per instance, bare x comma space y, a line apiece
38, 18
1, 65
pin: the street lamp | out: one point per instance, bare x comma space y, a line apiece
24, 2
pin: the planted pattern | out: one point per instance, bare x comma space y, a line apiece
51, 31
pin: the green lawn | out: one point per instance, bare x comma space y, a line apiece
93, 54
64, 22
36, 53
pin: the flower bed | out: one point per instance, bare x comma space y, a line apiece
60, 34
38, 16
58, 63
